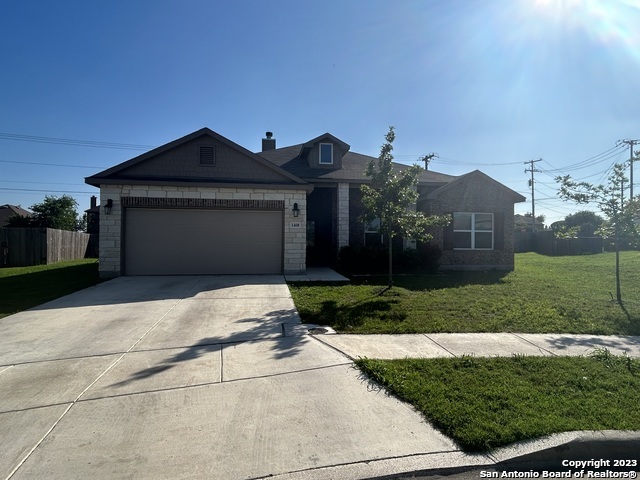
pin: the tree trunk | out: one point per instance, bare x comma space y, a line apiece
390, 283
618, 292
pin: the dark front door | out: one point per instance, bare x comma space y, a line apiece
321, 229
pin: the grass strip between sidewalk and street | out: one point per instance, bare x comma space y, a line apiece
542, 295
27, 287
484, 403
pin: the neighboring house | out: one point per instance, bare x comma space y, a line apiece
93, 216
522, 223
205, 205
8, 211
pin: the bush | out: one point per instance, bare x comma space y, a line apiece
374, 259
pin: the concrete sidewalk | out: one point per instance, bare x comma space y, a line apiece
434, 345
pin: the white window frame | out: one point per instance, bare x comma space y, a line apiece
472, 232
320, 154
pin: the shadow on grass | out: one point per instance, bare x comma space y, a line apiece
356, 314
34, 287
434, 281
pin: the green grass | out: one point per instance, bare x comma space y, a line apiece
483, 403
543, 295
26, 287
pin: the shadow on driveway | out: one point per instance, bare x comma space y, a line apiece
270, 327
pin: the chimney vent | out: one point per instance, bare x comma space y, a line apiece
93, 201
268, 143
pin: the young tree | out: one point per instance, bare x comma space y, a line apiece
621, 220
53, 212
390, 197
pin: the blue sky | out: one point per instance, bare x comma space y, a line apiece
485, 84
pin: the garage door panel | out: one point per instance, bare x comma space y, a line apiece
181, 241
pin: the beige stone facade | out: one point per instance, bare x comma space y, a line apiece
111, 226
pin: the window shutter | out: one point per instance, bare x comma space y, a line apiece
498, 231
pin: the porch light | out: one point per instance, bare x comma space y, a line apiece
296, 210
108, 206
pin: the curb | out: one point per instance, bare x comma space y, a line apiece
550, 452
545, 454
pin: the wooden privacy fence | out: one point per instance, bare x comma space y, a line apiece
20, 247
546, 244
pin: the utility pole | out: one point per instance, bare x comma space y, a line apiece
427, 159
532, 169
631, 144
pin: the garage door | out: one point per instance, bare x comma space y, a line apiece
184, 242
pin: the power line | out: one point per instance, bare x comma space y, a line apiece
7, 189
72, 142
631, 144
51, 164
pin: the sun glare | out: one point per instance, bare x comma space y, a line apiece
604, 21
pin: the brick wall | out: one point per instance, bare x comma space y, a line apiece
294, 256
477, 197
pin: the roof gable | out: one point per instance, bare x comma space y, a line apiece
476, 177
179, 161
326, 137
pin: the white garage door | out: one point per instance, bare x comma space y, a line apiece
185, 242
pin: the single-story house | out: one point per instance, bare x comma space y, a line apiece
8, 211
203, 204
523, 223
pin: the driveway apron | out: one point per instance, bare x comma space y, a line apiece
188, 377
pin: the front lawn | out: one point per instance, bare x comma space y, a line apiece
543, 295
25, 287
483, 403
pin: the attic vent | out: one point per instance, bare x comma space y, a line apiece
207, 155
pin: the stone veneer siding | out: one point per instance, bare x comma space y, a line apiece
343, 215
295, 239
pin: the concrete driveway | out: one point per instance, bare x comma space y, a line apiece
192, 377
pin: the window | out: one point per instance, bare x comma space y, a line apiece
207, 155
326, 154
372, 235
473, 231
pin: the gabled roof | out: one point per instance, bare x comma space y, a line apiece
353, 165
326, 136
112, 175
8, 211
476, 175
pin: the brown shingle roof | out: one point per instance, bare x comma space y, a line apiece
353, 167
8, 211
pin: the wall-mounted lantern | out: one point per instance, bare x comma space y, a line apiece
296, 210
108, 206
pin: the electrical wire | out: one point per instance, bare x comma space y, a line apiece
52, 164
72, 142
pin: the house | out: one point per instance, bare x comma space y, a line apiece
93, 216
523, 223
8, 211
203, 204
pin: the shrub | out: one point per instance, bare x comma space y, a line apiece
373, 259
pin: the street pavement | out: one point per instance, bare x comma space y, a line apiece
215, 377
